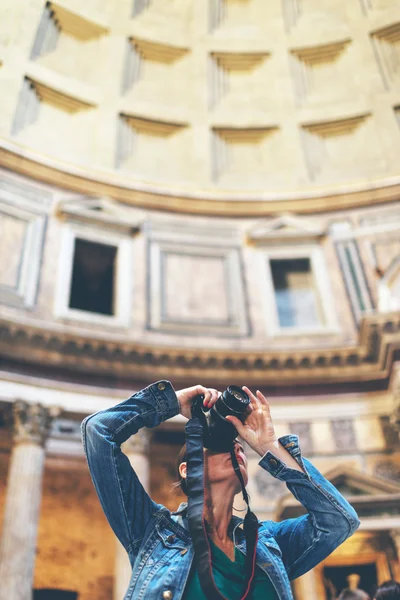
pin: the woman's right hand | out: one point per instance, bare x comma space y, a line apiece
187, 395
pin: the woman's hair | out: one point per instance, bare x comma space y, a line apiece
389, 590
181, 483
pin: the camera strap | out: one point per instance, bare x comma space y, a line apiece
196, 518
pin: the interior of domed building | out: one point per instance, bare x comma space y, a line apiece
203, 193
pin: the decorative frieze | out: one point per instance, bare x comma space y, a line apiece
370, 359
386, 44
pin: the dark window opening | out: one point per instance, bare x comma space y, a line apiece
296, 297
93, 275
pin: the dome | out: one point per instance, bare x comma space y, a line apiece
229, 107
196, 193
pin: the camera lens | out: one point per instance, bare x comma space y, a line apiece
233, 401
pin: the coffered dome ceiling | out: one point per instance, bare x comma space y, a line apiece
226, 106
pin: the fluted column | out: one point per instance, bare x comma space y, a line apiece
24, 489
137, 451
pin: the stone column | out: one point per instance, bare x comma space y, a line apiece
306, 587
137, 451
24, 489
395, 416
395, 535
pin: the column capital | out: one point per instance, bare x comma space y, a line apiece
138, 443
32, 422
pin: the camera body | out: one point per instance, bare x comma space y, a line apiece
218, 433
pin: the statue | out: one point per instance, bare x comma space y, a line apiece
353, 592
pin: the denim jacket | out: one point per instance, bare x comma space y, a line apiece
158, 542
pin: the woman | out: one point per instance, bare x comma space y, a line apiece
158, 542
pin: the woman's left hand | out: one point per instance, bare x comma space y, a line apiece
257, 430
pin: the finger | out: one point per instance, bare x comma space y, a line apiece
201, 390
253, 399
262, 399
214, 397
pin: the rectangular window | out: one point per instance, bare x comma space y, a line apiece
93, 277
296, 296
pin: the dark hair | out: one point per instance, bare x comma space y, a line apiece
389, 590
181, 483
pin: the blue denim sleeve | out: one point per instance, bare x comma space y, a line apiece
126, 504
307, 540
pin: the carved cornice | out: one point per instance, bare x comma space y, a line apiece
370, 359
201, 202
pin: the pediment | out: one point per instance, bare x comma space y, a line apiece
370, 495
285, 227
101, 211
351, 482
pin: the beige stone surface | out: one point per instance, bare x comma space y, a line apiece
323, 77
12, 232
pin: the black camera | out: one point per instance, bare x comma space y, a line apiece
218, 433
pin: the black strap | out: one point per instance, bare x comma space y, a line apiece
197, 527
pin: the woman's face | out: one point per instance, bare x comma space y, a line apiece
218, 466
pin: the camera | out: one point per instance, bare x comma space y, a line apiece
218, 433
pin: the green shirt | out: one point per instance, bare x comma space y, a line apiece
230, 579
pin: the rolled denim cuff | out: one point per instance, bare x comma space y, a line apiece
279, 469
166, 399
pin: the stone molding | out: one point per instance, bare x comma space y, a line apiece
370, 359
32, 422
245, 204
